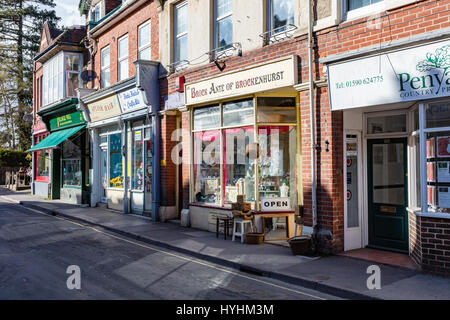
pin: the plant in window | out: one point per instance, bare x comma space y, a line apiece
439, 60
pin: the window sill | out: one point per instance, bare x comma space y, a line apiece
436, 215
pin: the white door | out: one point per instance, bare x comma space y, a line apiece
353, 191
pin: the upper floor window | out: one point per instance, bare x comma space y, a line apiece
280, 15
105, 68
96, 12
144, 41
61, 77
223, 26
123, 58
357, 4
180, 32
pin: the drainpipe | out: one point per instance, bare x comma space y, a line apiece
312, 117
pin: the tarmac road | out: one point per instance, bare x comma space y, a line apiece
36, 249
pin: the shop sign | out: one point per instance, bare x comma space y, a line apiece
131, 100
39, 127
174, 101
275, 204
274, 75
405, 75
67, 120
104, 108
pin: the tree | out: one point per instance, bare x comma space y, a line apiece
21, 23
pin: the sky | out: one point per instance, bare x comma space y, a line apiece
68, 11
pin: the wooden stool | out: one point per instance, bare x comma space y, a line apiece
241, 223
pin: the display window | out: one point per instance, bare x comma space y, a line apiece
115, 161
42, 166
71, 162
430, 179
246, 147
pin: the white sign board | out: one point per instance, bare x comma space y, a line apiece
131, 100
282, 73
406, 75
275, 204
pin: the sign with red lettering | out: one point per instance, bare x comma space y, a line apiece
274, 75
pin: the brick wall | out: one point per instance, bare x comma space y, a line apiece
430, 243
129, 26
168, 171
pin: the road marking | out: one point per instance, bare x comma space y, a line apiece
178, 256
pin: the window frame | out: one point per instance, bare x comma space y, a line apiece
121, 59
216, 20
55, 76
363, 11
270, 24
176, 36
93, 17
141, 47
104, 68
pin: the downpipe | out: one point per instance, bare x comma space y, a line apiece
312, 126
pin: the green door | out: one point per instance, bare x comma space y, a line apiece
387, 194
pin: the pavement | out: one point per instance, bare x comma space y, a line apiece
340, 276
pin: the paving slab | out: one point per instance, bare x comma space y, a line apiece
338, 275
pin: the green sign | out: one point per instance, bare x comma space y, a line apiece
67, 120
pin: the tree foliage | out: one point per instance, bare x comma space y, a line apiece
21, 24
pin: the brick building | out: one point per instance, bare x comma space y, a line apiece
122, 104
380, 202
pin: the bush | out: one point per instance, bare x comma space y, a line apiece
13, 158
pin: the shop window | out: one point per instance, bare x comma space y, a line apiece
42, 165
277, 162
238, 113
207, 118
71, 162
144, 42
437, 115
239, 168
227, 157
276, 110
280, 15
105, 67
386, 124
180, 32
223, 13
207, 167
115, 161
123, 58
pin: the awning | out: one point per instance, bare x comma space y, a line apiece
55, 138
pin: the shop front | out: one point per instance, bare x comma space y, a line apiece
396, 110
123, 134
246, 141
62, 157
41, 162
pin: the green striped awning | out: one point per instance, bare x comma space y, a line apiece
55, 138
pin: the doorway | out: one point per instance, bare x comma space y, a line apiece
387, 194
